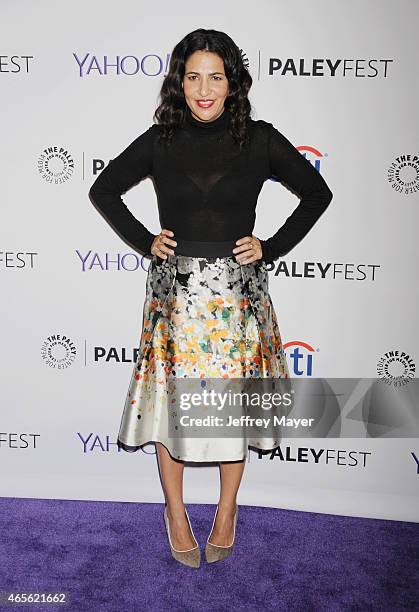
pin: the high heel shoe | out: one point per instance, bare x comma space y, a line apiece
216, 552
190, 557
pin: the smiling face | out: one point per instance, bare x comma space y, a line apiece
205, 79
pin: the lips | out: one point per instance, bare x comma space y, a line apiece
205, 103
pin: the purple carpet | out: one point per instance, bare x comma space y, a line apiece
116, 557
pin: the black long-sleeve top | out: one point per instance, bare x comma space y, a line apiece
207, 189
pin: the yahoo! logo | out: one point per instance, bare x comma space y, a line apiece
96, 443
128, 262
301, 357
150, 64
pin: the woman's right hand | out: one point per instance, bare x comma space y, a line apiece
159, 244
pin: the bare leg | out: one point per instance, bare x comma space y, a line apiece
171, 471
230, 474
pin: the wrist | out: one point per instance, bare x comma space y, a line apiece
267, 254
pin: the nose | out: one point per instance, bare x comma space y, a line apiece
204, 89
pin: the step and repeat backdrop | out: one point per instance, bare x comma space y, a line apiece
340, 81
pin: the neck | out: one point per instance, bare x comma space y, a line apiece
218, 124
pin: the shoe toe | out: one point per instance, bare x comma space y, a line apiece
192, 558
215, 553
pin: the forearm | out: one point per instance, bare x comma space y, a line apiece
290, 167
297, 225
121, 173
112, 207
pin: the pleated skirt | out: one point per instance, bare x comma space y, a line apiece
203, 317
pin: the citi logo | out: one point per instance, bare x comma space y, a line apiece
300, 356
315, 156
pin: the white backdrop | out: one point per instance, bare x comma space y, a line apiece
344, 90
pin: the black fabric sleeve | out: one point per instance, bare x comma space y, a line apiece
121, 173
290, 167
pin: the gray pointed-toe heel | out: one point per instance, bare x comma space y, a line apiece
215, 552
190, 557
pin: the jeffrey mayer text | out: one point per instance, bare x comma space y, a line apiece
258, 422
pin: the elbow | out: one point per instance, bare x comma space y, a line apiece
95, 198
321, 193
92, 196
91, 193
96, 187
94, 192
328, 196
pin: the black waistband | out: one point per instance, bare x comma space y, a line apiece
204, 249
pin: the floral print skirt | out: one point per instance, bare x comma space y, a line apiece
202, 318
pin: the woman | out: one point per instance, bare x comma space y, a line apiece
207, 312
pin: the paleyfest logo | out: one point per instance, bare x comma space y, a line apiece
56, 165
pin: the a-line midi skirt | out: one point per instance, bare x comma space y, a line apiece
203, 317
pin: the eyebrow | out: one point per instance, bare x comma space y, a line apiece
211, 73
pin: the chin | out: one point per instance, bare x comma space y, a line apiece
206, 114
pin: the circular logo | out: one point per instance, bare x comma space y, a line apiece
58, 351
396, 368
56, 165
403, 174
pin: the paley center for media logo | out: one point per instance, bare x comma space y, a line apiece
396, 368
58, 351
56, 164
403, 174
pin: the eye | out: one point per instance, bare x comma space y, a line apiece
192, 77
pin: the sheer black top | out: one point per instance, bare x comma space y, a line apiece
207, 189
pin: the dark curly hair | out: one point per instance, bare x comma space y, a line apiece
172, 109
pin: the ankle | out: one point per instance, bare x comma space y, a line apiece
228, 507
175, 511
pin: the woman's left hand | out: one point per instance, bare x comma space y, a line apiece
249, 249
